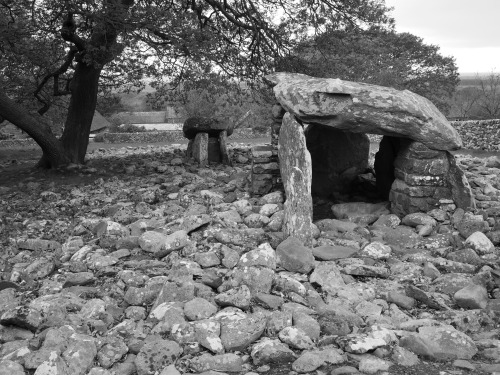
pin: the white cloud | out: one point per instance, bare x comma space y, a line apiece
467, 31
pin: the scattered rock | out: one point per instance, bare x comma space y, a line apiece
97, 280
293, 256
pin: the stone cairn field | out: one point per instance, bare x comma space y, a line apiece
167, 268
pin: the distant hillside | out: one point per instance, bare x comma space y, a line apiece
136, 102
471, 79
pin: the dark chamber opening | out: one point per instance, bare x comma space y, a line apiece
341, 168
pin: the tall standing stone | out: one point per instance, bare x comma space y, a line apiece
200, 149
223, 148
461, 191
296, 173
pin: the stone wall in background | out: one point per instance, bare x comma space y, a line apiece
479, 134
476, 135
19, 142
171, 115
166, 136
146, 137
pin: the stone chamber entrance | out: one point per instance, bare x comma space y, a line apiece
320, 132
347, 167
341, 170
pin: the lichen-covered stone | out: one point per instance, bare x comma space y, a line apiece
195, 125
271, 351
296, 172
293, 256
155, 355
200, 149
239, 334
364, 108
440, 343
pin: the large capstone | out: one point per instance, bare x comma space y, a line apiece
337, 158
364, 108
211, 126
323, 135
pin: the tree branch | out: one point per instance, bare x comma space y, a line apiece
63, 69
36, 129
68, 33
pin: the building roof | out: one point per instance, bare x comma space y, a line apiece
99, 122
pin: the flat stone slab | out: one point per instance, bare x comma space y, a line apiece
364, 108
213, 127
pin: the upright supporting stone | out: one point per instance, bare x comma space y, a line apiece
296, 172
461, 191
423, 177
189, 150
278, 112
200, 149
223, 148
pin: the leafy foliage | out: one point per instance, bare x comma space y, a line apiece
127, 128
109, 103
376, 56
27, 54
217, 97
51, 48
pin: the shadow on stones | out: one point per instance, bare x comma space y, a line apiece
341, 171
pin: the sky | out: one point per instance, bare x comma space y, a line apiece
467, 30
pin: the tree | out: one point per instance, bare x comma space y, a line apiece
489, 99
378, 56
88, 43
215, 96
481, 101
464, 103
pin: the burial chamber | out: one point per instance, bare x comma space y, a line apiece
323, 146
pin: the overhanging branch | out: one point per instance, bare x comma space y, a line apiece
57, 92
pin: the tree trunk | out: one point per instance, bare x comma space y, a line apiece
75, 137
53, 151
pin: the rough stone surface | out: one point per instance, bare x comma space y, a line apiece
364, 108
296, 172
293, 256
480, 243
239, 334
200, 149
332, 252
195, 125
156, 355
424, 176
82, 293
272, 352
440, 343
472, 297
360, 212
